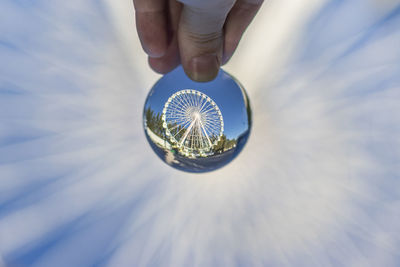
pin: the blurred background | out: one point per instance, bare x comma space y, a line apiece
317, 184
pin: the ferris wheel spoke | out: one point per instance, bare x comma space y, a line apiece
205, 105
211, 123
209, 109
179, 105
185, 102
193, 98
211, 117
179, 120
198, 100
176, 116
212, 126
177, 100
212, 131
189, 97
177, 113
183, 98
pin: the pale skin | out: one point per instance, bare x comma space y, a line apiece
201, 35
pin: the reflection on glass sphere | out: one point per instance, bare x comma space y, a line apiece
197, 127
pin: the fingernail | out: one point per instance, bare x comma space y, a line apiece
155, 51
204, 68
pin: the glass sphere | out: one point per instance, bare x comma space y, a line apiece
197, 127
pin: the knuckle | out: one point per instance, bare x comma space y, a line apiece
205, 38
205, 42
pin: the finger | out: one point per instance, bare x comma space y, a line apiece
236, 24
167, 62
175, 9
151, 24
170, 59
200, 38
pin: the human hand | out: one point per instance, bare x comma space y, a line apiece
201, 35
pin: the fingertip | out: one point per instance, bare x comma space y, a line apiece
154, 50
226, 57
231, 43
161, 65
168, 61
203, 68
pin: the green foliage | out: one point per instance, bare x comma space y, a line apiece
154, 122
224, 144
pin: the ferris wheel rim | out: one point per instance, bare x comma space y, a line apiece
191, 103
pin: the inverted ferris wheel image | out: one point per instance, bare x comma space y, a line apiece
192, 122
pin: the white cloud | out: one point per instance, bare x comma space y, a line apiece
315, 186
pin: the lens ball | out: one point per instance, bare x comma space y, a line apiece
197, 127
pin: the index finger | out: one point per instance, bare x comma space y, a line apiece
151, 24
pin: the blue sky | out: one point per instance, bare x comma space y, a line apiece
316, 185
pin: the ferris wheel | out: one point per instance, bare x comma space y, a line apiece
193, 122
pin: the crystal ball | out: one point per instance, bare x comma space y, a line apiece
197, 127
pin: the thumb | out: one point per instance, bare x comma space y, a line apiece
200, 37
